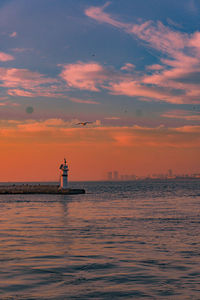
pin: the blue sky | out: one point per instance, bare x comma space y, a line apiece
46, 37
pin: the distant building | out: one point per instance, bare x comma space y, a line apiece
170, 174
115, 175
109, 176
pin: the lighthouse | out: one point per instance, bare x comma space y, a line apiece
64, 175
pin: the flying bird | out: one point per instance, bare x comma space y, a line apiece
84, 123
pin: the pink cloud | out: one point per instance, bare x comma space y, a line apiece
92, 76
36, 92
89, 76
128, 67
13, 34
180, 114
135, 88
160, 37
155, 67
99, 15
76, 100
18, 92
195, 40
25, 83
112, 118
8, 103
22, 78
86, 76
5, 57
179, 72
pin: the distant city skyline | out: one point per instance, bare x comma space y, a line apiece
115, 176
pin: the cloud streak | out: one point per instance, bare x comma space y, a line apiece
176, 77
59, 130
183, 115
98, 14
6, 57
76, 100
25, 83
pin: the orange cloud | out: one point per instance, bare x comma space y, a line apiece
96, 133
112, 118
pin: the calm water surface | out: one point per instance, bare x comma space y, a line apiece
122, 240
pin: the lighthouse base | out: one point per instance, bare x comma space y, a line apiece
38, 189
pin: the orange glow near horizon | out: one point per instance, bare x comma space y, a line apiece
92, 152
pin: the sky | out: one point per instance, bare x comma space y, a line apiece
131, 68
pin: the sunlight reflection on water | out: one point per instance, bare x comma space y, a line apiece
119, 240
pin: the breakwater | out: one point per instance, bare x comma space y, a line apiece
38, 189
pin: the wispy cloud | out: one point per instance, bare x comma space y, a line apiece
58, 130
112, 118
184, 115
8, 103
13, 34
136, 89
25, 83
49, 92
178, 70
86, 76
18, 92
12, 77
77, 100
155, 67
98, 14
6, 57
94, 77
21, 50
128, 67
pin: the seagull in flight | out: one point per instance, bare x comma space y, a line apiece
84, 123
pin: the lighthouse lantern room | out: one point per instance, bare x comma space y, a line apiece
64, 175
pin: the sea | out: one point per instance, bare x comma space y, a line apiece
120, 240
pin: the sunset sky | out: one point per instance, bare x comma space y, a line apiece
132, 68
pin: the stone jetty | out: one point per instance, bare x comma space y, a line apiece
38, 189
62, 188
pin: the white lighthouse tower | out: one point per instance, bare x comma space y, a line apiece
64, 175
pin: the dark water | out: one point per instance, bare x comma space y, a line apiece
129, 240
